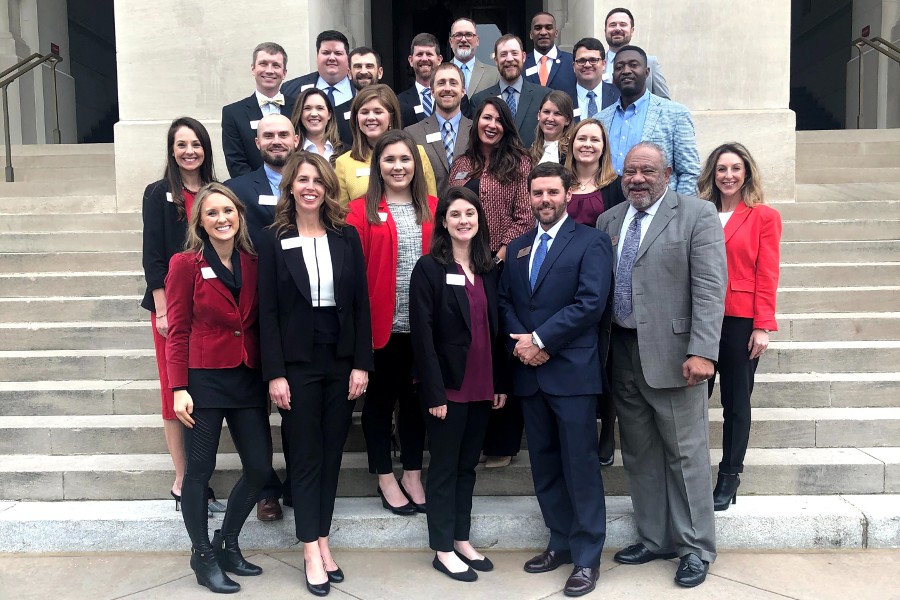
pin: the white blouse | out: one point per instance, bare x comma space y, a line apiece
551, 152
724, 216
317, 257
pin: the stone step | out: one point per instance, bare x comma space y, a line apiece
58, 172
849, 229
841, 251
816, 327
37, 150
819, 390
42, 223
71, 284
30, 262
72, 241
62, 189
38, 365
820, 191
831, 357
880, 156
838, 299
841, 139
847, 209
71, 308
102, 201
840, 274
829, 175
84, 335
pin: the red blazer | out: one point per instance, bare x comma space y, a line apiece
752, 236
207, 329
379, 244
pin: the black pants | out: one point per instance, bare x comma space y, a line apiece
274, 488
454, 444
391, 383
249, 428
317, 426
505, 427
736, 372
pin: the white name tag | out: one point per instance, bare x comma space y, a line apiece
207, 273
347, 115
433, 137
363, 172
531, 71
254, 124
383, 216
576, 113
303, 88
418, 109
289, 243
169, 197
268, 200
461, 176
456, 279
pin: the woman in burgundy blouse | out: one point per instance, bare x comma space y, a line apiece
453, 324
595, 186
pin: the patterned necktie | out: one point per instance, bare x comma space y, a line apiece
427, 102
592, 104
276, 100
622, 303
539, 255
330, 93
511, 99
449, 141
543, 73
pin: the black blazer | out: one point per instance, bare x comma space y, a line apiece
292, 86
164, 235
285, 302
249, 187
440, 329
410, 99
343, 125
239, 138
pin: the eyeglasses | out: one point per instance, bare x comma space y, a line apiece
467, 35
587, 61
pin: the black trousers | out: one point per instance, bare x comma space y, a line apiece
274, 488
504, 431
736, 372
249, 428
454, 444
391, 383
317, 427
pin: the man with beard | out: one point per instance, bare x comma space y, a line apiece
547, 65
551, 298
445, 134
591, 93
365, 69
417, 102
464, 42
619, 29
522, 97
640, 115
331, 74
668, 305
239, 119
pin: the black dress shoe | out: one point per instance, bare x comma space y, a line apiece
548, 560
468, 575
336, 576
691, 571
726, 490
420, 508
405, 510
608, 462
638, 554
582, 581
317, 589
482, 564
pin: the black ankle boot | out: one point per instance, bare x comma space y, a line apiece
209, 573
726, 490
230, 558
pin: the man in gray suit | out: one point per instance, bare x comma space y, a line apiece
668, 305
619, 29
445, 134
464, 42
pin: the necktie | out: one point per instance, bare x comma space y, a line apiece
330, 93
465, 70
622, 302
276, 101
543, 72
539, 255
592, 104
449, 141
427, 102
511, 99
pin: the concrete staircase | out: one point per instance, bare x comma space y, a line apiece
79, 400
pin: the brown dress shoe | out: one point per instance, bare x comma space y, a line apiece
582, 581
548, 560
268, 509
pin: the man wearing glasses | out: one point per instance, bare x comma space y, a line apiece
464, 42
592, 93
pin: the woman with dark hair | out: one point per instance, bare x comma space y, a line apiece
395, 221
213, 363
315, 123
454, 327
555, 118
374, 111
316, 339
730, 179
595, 186
165, 210
497, 163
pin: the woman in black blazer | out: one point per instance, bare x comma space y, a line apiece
316, 343
459, 365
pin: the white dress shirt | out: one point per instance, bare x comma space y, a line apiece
310, 146
551, 60
268, 108
317, 256
645, 225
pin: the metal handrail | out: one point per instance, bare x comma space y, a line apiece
10, 75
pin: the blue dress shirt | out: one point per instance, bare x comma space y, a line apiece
627, 129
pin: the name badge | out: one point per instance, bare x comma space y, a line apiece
383, 217
347, 115
524, 252
169, 197
254, 124
268, 200
418, 109
456, 279
290, 243
576, 113
363, 172
433, 137
531, 71
462, 175
303, 88
207, 273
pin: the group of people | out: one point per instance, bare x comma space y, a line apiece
487, 252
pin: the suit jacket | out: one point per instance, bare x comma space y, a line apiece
752, 237
409, 99
561, 76
295, 86
285, 303
657, 81
239, 137
207, 328
668, 124
608, 96
678, 283
249, 187
564, 309
441, 330
163, 238
483, 76
526, 110
342, 118
435, 150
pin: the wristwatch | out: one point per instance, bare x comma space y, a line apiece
534, 340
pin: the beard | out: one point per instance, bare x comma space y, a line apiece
642, 200
274, 161
464, 54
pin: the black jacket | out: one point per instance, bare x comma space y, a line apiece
164, 235
239, 136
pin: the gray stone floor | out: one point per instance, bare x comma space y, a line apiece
408, 575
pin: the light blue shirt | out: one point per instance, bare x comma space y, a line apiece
583, 100
454, 122
466, 69
610, 59
627, 129
342, 89
274, 178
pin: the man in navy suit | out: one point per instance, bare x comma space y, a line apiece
417, 102
239, 120
592, 93
331, 74
547, 65
552, 295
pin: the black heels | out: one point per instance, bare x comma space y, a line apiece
210, 575
229, 556
406, 510
336, 576
420, 508
725, 493
319, 589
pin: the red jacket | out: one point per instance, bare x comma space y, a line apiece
207, 329
379, 244
752, 236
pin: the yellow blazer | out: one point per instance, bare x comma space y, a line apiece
354, 184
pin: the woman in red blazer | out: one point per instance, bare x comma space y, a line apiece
213, 361
730, 179
395, 220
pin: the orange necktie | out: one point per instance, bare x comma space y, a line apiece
543, 75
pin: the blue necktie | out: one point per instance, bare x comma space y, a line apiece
592, 104
449, 141
511, 99
622, 302
466, 75
427, 102
539, 255
330, 93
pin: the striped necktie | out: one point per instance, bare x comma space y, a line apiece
427, 102
449, 141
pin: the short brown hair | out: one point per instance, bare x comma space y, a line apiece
270, 48
505, 38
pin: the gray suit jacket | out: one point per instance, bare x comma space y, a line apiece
483, 77
435, 150
657, 83
678, 284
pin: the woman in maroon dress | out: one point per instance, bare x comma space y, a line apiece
595, 186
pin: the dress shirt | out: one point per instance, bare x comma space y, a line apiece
342, 90
466, 68
516, 85
551, 152
627, 129
274, 178
630, 322
454, 122
610, 60
583, 100
317, 257
268, 108
551, 59
552, 232
310, 146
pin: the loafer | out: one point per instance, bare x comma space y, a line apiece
691, 571
482, 564
468, 575
548, 560
639, 554
268, 509
582, 581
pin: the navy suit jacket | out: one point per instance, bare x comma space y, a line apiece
562, 73
292, 86
239, 137
526, 110
608, 96
343, 125
564, 309
249, 187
